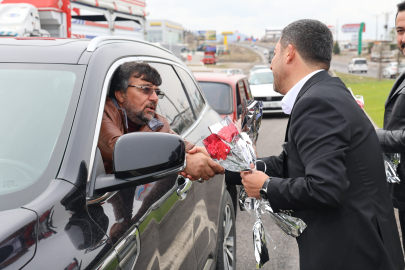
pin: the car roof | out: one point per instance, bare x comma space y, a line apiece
359, 59
261, 66
42, 50
74, 51
218, 77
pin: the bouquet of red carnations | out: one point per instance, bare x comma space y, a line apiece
232, 149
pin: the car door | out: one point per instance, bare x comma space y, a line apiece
207, 195
151, 225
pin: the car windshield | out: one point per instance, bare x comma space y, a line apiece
261, 78
219, 96
33, 109
360, 62
208, 56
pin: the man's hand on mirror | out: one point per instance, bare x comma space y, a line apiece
201, 166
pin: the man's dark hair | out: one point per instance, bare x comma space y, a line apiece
401, 7
122, 75
312, 39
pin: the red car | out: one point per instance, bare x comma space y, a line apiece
209, 58
224, 92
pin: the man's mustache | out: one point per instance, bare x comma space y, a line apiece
402, 45
151, 104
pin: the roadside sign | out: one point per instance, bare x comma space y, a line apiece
352, 28
189, 57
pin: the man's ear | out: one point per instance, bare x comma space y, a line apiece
120, 96
290, 53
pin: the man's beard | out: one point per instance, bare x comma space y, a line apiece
277, 83
402, 48
136, 115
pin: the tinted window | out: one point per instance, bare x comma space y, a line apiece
33, 109
360, 62
196, 99
219, 96
261, 78
208, 56
248, 88
174, 106
241, 88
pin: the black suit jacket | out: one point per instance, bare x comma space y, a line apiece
331, 175
392, 137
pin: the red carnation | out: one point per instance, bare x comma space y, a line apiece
361, 104
216, 147
227, 133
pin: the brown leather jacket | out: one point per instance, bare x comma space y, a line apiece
114, 126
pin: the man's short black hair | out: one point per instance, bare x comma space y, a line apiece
124, 72
312, 39
401, 7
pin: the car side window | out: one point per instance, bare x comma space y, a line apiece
248, 88
196, 99
174, 106
241, 90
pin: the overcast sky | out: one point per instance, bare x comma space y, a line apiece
253, 16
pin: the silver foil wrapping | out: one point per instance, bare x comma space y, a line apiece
391, 162
289, 225
242, 153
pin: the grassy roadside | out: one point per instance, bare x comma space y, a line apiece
374, 92
239, 54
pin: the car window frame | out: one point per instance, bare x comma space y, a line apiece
186, 89
106, 84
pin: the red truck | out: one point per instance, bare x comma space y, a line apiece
209, 58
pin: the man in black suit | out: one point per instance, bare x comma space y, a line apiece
331, 172
392, 136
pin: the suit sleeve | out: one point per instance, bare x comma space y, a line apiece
274, 167
321, 136
391, 141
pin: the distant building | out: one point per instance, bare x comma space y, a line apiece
164, 31
273, 33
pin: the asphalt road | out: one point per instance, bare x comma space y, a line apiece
340, 65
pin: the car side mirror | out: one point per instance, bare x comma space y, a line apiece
143, 157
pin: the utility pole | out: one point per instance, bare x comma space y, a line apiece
376, 27
337, 30
387, 14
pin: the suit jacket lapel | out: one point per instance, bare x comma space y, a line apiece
398, 86
320, 76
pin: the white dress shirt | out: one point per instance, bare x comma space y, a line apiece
287, 103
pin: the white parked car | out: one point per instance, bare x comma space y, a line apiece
358, 65
265, 52
261, 87
257, 67
390, 71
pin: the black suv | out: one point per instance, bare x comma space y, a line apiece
58, 208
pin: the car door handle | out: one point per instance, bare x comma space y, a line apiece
128, 249
183, 188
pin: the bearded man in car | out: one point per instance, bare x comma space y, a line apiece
131, 107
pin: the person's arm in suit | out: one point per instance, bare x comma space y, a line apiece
321, 135
391, 141
274, 167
